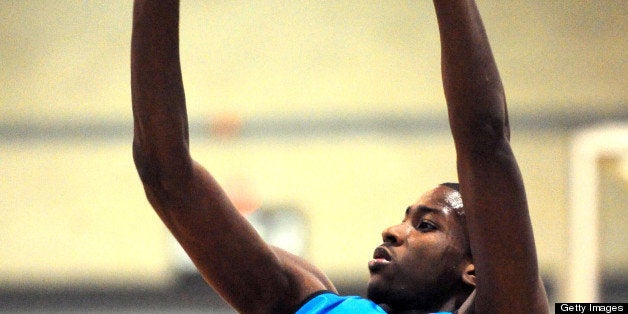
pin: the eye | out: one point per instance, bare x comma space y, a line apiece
426, 225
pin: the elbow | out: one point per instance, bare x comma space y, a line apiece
485, 137
161, 173
492, 132
145, 169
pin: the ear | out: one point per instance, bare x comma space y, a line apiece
468, 275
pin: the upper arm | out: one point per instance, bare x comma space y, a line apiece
500, 231
228, 252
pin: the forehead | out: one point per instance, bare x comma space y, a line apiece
441, 200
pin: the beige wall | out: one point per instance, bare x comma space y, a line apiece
69, 60
74, 211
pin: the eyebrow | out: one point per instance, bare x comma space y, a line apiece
426, 209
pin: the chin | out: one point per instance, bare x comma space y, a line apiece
388, 298
374, 291
379, 280
379, 292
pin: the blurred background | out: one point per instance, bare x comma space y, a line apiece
322, 120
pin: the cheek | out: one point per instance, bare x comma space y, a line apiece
429, 261
457, 243
453, 253
424, 250
434, 250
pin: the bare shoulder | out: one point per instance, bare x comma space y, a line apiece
312, 277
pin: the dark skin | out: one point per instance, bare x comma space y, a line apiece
255, 277
424, 262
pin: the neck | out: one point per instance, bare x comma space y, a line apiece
451, 305
410, 311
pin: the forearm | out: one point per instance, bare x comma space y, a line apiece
473, 88
160, 120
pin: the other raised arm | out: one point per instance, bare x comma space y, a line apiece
252, 276
500, 231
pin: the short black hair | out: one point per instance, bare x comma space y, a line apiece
452, 185
456, 187
461, 217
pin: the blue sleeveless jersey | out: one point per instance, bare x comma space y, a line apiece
328, 302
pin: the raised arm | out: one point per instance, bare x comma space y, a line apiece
234, 260
500, 231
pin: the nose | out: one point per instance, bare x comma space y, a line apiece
393, 234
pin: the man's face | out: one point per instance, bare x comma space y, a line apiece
422, 259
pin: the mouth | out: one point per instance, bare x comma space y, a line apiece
381, 258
